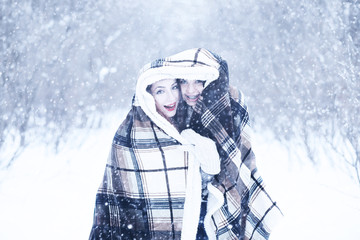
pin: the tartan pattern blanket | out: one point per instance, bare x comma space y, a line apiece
244, 209
142, 194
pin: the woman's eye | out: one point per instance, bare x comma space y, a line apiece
200, 82
159, 92
175, 87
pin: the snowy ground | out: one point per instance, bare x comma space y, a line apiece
321, 202
51, 196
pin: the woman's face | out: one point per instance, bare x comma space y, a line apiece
191, 90
166, 95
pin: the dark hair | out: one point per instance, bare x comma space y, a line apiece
148, 88
178, 80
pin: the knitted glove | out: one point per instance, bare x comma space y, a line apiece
204, 150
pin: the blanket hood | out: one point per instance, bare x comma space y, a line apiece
192, 64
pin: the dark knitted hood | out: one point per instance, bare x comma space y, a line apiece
217, 102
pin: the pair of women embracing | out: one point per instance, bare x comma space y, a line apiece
181, 164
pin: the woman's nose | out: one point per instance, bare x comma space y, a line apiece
172, 96
191, 88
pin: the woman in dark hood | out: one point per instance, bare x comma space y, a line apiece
237, 204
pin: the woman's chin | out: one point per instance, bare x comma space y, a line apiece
191, 103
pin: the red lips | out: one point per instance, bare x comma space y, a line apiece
170, 107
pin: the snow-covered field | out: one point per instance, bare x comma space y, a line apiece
51, 196
318, 202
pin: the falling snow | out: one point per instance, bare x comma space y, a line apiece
66, 68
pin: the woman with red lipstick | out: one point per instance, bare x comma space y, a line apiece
151, 187
166, 95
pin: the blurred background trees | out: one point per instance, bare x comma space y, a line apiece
65, 64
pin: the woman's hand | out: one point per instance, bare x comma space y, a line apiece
204, 150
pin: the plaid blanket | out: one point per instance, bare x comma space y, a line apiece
152, 185
239, 207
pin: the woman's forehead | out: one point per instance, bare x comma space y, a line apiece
164, 83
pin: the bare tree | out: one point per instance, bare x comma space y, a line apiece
297, 61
